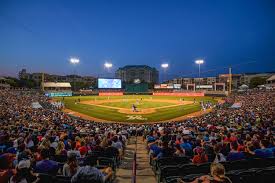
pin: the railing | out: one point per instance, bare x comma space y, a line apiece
134, 168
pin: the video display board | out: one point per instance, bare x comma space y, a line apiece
109, 83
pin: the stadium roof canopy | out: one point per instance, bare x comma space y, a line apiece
272, 78
57, 84
243, 87
3, 78
136, 66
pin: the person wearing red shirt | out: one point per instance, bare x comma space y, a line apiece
201, 157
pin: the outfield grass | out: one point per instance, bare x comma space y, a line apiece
114, 115
140, 104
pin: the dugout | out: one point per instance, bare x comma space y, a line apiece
136, 88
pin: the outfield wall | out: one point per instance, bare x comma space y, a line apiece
183, 94
110, 93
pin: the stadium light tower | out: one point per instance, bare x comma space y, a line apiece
165, 67
199, 62
108, 66
74, 61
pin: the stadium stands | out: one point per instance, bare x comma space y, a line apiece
47, 145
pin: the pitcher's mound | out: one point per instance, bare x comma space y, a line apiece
139, 111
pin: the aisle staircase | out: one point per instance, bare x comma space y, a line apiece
144, 173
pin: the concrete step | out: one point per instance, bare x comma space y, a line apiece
144, 173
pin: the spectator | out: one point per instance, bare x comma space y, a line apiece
90, 173
217, 172
219, 157
186, 146
264, 152
60, 149
73, 150
23, 173
200, 156
71, 166
249, 151
6, 166
111, 151
154, 148
46, 165
83, 149
165, 151
234, 154
179, 151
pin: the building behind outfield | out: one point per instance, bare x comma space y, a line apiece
57, 89
143, 73
37, 77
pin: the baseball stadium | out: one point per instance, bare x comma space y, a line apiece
139, 91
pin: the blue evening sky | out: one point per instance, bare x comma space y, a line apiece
41, 35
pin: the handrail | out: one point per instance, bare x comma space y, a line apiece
134, 168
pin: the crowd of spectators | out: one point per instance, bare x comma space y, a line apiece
30, 137
225, 134
31, 140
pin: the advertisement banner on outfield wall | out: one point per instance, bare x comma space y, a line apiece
204, 86
177, 86
163, 86
110, 93
157, 86
170, 86
58, 94
184, 94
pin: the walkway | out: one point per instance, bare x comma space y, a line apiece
144, 170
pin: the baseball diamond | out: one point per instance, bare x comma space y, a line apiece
148, 108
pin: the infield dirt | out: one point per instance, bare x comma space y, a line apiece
100, 103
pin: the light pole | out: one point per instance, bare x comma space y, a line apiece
74, 61
199, 62
164, 66
108, 66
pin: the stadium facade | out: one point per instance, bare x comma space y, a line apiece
143, 73
37, 77
237, 79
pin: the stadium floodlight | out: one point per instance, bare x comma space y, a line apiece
108, 65
164, 66
74, 60
199, 62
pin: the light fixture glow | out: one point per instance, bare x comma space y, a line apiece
199, 62
164, 66
108, 65
74, 60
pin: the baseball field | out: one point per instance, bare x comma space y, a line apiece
120, 108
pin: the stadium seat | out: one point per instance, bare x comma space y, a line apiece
45, 178
62, 179
95, 153
194, 169
171, 179
191, 177
266, 174
60, 158
166, 171
104, 161
170, 161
